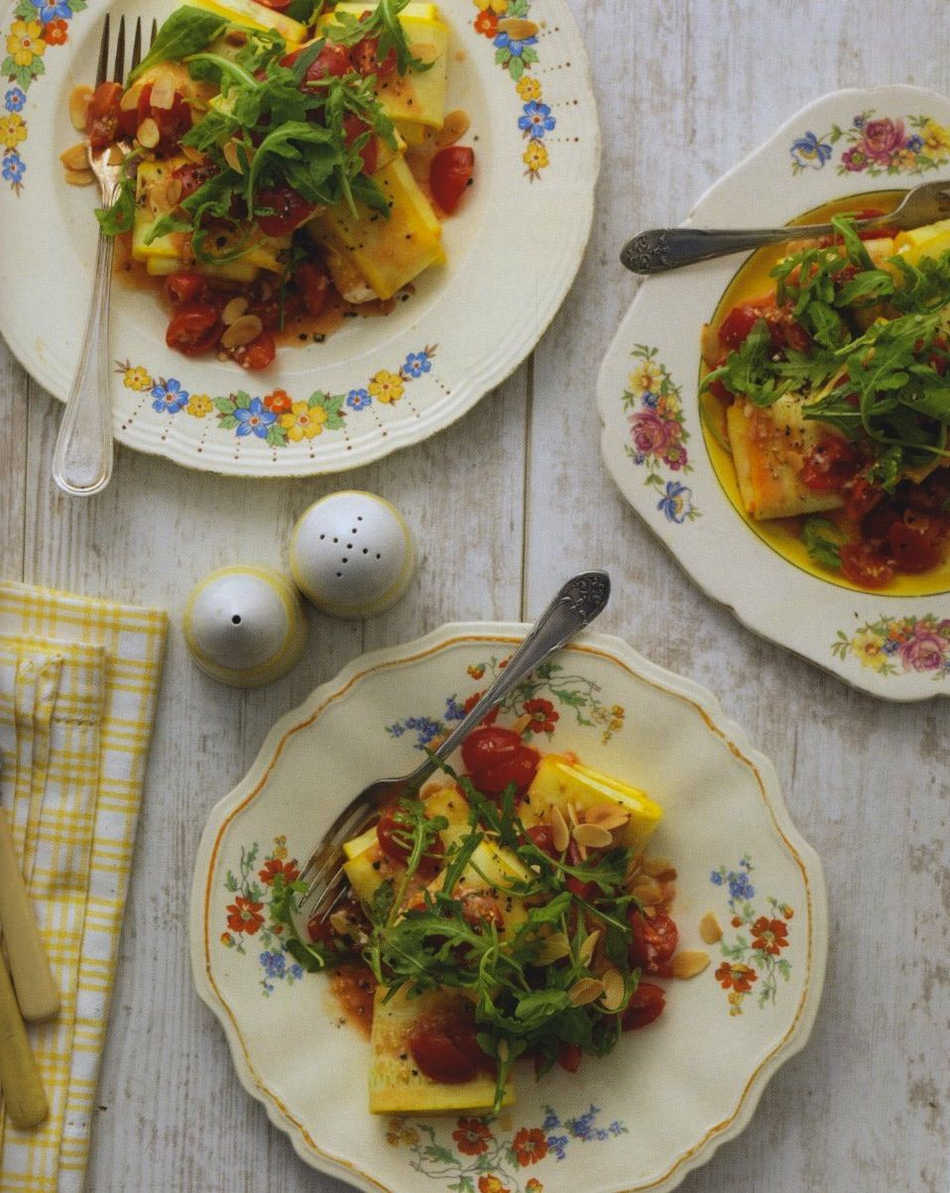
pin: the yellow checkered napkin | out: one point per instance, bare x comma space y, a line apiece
78, 686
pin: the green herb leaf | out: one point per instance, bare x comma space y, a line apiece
186, 31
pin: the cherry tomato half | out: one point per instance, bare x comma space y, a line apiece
192, 175
737, 325
354, 127
258, 354
102, 120
450, 174
654, 941
863, 564
916, 542
489, 746
333, 59
185, 286
194, 329
365, 56
444, 1047
314, 286
829, 464
543, 836
569, 1057
646, 1004
288, 210
392, 837
519, 771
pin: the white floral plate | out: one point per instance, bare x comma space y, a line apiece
669, 1094
851, 142
374, 385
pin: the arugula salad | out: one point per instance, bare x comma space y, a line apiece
289, 165
506, 914
832, 395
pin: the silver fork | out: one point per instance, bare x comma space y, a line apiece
82, 459
662, 249
575, 606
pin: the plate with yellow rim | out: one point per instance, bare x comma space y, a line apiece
518, 68
668, 1095
858, 147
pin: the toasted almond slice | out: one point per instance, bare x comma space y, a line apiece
709, 928
585, 990
79, 177
76, 157
553, 948
517, 28
193, 155
148, 134
689, 963
115, 156
130, 98
659, 867
586, 952
173, 192
560, 833
79, 100
242, 331
668, 891
163, 91
647, 890
593, 836
614, 989
454, 127
572, 817
608, 816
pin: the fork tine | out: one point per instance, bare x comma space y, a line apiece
103, 64
136, 44
118, 73
328, 898
154, 33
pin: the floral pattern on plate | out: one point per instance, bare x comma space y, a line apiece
658, 434
756, 957
35, 28
895, 645
532, 702
276, 417
479, 1161
876, 145
514, 36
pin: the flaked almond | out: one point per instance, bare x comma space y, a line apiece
689, 963
193, 155
668, 891
608, 816
115, 156
560, 834
76, 157
585, 990
585, 953
592, 836
148, 134
130, 98
709, 928
647, 890
242, 331
79, 100
79, 177
162, 94
572, 817
614, 989
236, 154
173, 192
659, 867
231, 313
454, 127
517, 28
553, 948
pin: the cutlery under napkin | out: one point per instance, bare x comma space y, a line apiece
78, 686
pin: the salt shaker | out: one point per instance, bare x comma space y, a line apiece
352, 554
244, 625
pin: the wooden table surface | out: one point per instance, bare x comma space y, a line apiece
506, 503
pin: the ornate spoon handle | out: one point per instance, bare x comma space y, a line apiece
662, 249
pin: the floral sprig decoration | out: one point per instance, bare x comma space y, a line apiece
658, 434
876, 145
36, 26
256, 890
756, 955
900, 645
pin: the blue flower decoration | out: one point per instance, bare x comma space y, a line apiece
14, 99
358, 399
675, 502
915, 144
425, 728
416, 364
716, 878
254, 419
551, 1119
13, 167
649, 398
453, 710
514, 48
273, 963
809, 151
60, 11
168, 397
739, 886
537, 120
858, 122
557, 1145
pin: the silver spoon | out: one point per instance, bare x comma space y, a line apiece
575, 606
662, 249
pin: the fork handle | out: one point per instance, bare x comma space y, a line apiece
662, 249
82, 459
576, 605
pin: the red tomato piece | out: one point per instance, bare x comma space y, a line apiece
354, 127
333, 60
192, 175
646, 1004
258, 354
488, 746
479, 910
520, 770
861, 497
863, 564
276, 5
543, 836
393, 837
102, 120
653, 943
444, 1047
366, 60
569, 1057
916, 542
288, 210
830, 464
450, 173
194, 329
185, 286
314, 286
583, 890
735, 328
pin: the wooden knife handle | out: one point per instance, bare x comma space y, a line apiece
23, 1093
29, 967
